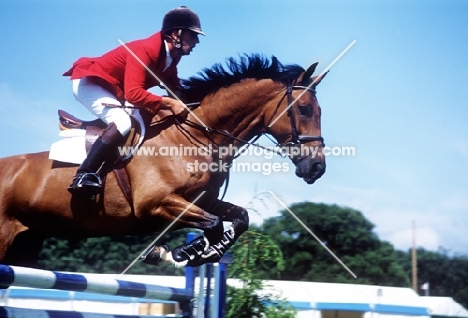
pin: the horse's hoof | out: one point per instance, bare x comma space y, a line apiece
155, 256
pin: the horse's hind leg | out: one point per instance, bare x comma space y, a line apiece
24, 251
9, 229
18, 245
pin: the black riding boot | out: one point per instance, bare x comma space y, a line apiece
87, 180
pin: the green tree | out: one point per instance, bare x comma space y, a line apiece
347, 233
446, 275
254, 251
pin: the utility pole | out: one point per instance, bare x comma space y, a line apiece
414, 261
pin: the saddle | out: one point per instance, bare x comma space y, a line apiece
68, 121
93, 129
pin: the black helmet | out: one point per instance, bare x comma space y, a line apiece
181, 18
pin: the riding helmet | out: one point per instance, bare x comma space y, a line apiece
181, 18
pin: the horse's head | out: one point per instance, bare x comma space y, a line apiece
250, 108
295, 123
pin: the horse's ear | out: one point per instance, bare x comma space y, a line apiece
308, 73
317, 79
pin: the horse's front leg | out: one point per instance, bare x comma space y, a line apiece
187, 215
240, 223
207, 248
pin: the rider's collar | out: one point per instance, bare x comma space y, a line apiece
168, 57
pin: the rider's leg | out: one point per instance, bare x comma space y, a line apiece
99, 102
105, 149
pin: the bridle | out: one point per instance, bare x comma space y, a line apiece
297, 139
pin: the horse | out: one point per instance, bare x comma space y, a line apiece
239, 100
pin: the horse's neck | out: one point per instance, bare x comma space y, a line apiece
239, 109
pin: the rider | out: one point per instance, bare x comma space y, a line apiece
105, 84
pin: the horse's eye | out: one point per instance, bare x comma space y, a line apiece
305, 110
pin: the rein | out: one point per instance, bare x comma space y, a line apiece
227, 134
297, 139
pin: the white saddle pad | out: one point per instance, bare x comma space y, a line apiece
71, 148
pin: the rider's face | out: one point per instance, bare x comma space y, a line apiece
189, 40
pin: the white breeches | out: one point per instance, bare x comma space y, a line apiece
94, 98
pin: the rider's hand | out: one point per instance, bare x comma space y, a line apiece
175, 106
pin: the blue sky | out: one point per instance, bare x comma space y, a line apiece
398, 95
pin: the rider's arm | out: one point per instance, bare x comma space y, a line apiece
136, 79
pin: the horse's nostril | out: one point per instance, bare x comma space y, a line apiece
316, 167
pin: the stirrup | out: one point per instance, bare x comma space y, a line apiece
86, 183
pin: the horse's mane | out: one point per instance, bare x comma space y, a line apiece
255, 66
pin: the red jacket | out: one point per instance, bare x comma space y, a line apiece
124, 76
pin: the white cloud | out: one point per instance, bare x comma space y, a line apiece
427, 238
434, 228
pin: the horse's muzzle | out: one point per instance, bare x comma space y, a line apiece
310, 169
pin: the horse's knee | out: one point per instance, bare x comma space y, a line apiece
241, 223
215, 233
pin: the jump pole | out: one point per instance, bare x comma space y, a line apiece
12, 312
37, 278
